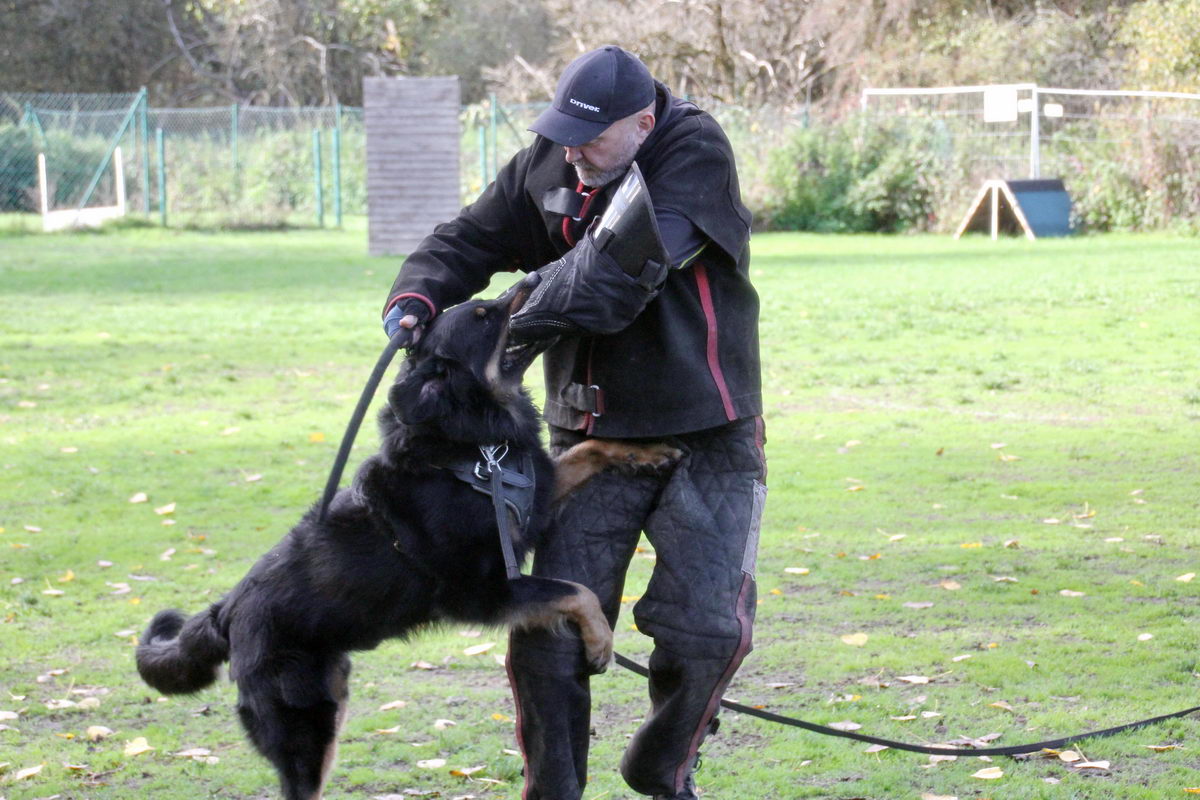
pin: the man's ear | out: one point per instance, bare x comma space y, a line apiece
417, 397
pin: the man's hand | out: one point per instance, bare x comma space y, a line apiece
405, 317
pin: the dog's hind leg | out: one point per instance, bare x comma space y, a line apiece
293, 719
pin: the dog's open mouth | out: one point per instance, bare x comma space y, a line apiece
519, 355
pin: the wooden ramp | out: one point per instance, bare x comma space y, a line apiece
1033, 207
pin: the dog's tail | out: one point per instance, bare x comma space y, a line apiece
180, 655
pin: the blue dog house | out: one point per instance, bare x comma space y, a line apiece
1033, 207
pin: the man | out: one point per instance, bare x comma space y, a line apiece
648, 353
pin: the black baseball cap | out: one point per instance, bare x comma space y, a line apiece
595, 90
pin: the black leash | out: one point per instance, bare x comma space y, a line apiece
513, 570
1050, 744
360, 411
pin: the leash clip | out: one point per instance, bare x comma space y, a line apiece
493, 454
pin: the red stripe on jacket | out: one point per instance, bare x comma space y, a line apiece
710, 317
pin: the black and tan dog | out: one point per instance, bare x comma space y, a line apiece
410, 543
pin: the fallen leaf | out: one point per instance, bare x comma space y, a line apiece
916, 679
1071, 593
1004, 579
422, 665
928, 796
1145, 637
478, 649
466, 772
27, 773
432, 763
963, 657
1186, 578
316, 437
1069, 756
443, 724
1160, 748
855, 639
796, 570
501, 718
876, 748
140, 497
1091, 765
162, 511
905, 718
1003, 706
396, 729
950, 586
95, 733
989, 774
137, 746
193, 752
942, 759
845, 726
393, 705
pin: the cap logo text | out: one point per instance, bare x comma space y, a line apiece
584, 106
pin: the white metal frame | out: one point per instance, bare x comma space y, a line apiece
1035, 166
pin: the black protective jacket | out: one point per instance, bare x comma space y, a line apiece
689, 360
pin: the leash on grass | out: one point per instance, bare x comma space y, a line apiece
824, 730
513, 571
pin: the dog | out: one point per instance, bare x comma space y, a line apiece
413, 541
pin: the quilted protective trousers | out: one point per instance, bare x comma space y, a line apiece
702, 518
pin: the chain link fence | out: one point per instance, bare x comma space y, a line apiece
1130, 159
77, 134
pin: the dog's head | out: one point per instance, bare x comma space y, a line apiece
464, 375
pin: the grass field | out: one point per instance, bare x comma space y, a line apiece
977, 449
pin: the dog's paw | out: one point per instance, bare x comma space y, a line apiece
652, 457
599, 653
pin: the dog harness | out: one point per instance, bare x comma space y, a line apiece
511, 487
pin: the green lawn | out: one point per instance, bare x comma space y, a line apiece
959, 433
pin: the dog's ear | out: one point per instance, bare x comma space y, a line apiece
417, 396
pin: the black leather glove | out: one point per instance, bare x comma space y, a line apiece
585, 291
395, 320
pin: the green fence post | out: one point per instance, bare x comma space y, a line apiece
337, 163
337, 177
162, 176
31, 116
483, 168
495, 159
126, 125
233, 146
144, 139
320, 200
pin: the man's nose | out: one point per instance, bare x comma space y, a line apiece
572, 154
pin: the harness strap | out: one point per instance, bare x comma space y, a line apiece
511, 567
